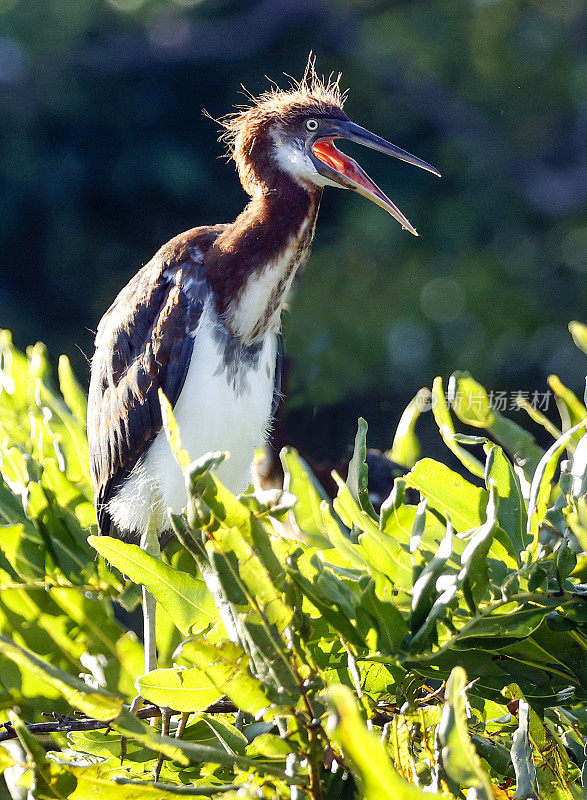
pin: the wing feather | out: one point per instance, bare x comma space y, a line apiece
144, 343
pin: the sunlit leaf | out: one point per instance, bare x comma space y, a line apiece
455, 498
182, 690
186, 599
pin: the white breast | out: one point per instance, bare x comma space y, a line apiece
224, 405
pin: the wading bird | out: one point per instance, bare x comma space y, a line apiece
201, 320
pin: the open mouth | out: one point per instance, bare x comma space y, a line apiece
345, 171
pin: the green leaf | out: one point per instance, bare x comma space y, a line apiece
299, 480
472, 406
579, 334
521, 752
172, 431
227, 668
571, 408
96, 703
512, 508
270, 746
441, 412
182, 690
459, 757
424, 589
448, 492
230, 737
186, 599
474, 573
405, 449
541, 484
366, 753
470, 400
185, 752
358, 474
6, 760
47, 779
72, 392
389, 623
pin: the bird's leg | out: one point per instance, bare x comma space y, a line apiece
150, 544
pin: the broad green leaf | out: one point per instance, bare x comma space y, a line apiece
25, 551
496, 755
508, 622
512, 508
459, 757
448, 492
180, 689
405, 449
96, 703
358, 474
186, 752
327, 606
339, 538
364, 750
186, 599
470, 400
441, 412
253, 574
541, 484
270, 746
474, 573
299, 480
230, 737
106, 743
389, 623
103, 781
349, 510
226, 667
473, 407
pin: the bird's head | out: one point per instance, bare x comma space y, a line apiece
292, 133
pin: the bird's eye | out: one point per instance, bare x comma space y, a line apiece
312, 124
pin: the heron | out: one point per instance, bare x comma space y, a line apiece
201, 320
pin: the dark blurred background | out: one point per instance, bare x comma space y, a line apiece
104, 155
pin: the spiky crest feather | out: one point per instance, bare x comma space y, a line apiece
312, 92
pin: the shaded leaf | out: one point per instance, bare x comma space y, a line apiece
459, 757
94, 702
378, 777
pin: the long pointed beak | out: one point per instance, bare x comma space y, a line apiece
346, 173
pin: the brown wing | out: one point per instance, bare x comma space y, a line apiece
144, 343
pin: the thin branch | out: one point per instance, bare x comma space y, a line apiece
65, 724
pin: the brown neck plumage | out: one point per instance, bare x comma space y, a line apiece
252, 263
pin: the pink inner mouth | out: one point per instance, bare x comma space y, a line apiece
325, 150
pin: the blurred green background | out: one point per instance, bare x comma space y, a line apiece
104, 155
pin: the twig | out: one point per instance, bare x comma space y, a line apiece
65, 724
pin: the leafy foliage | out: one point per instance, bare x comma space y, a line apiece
439, 646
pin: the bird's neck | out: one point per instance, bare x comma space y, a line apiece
253, 262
